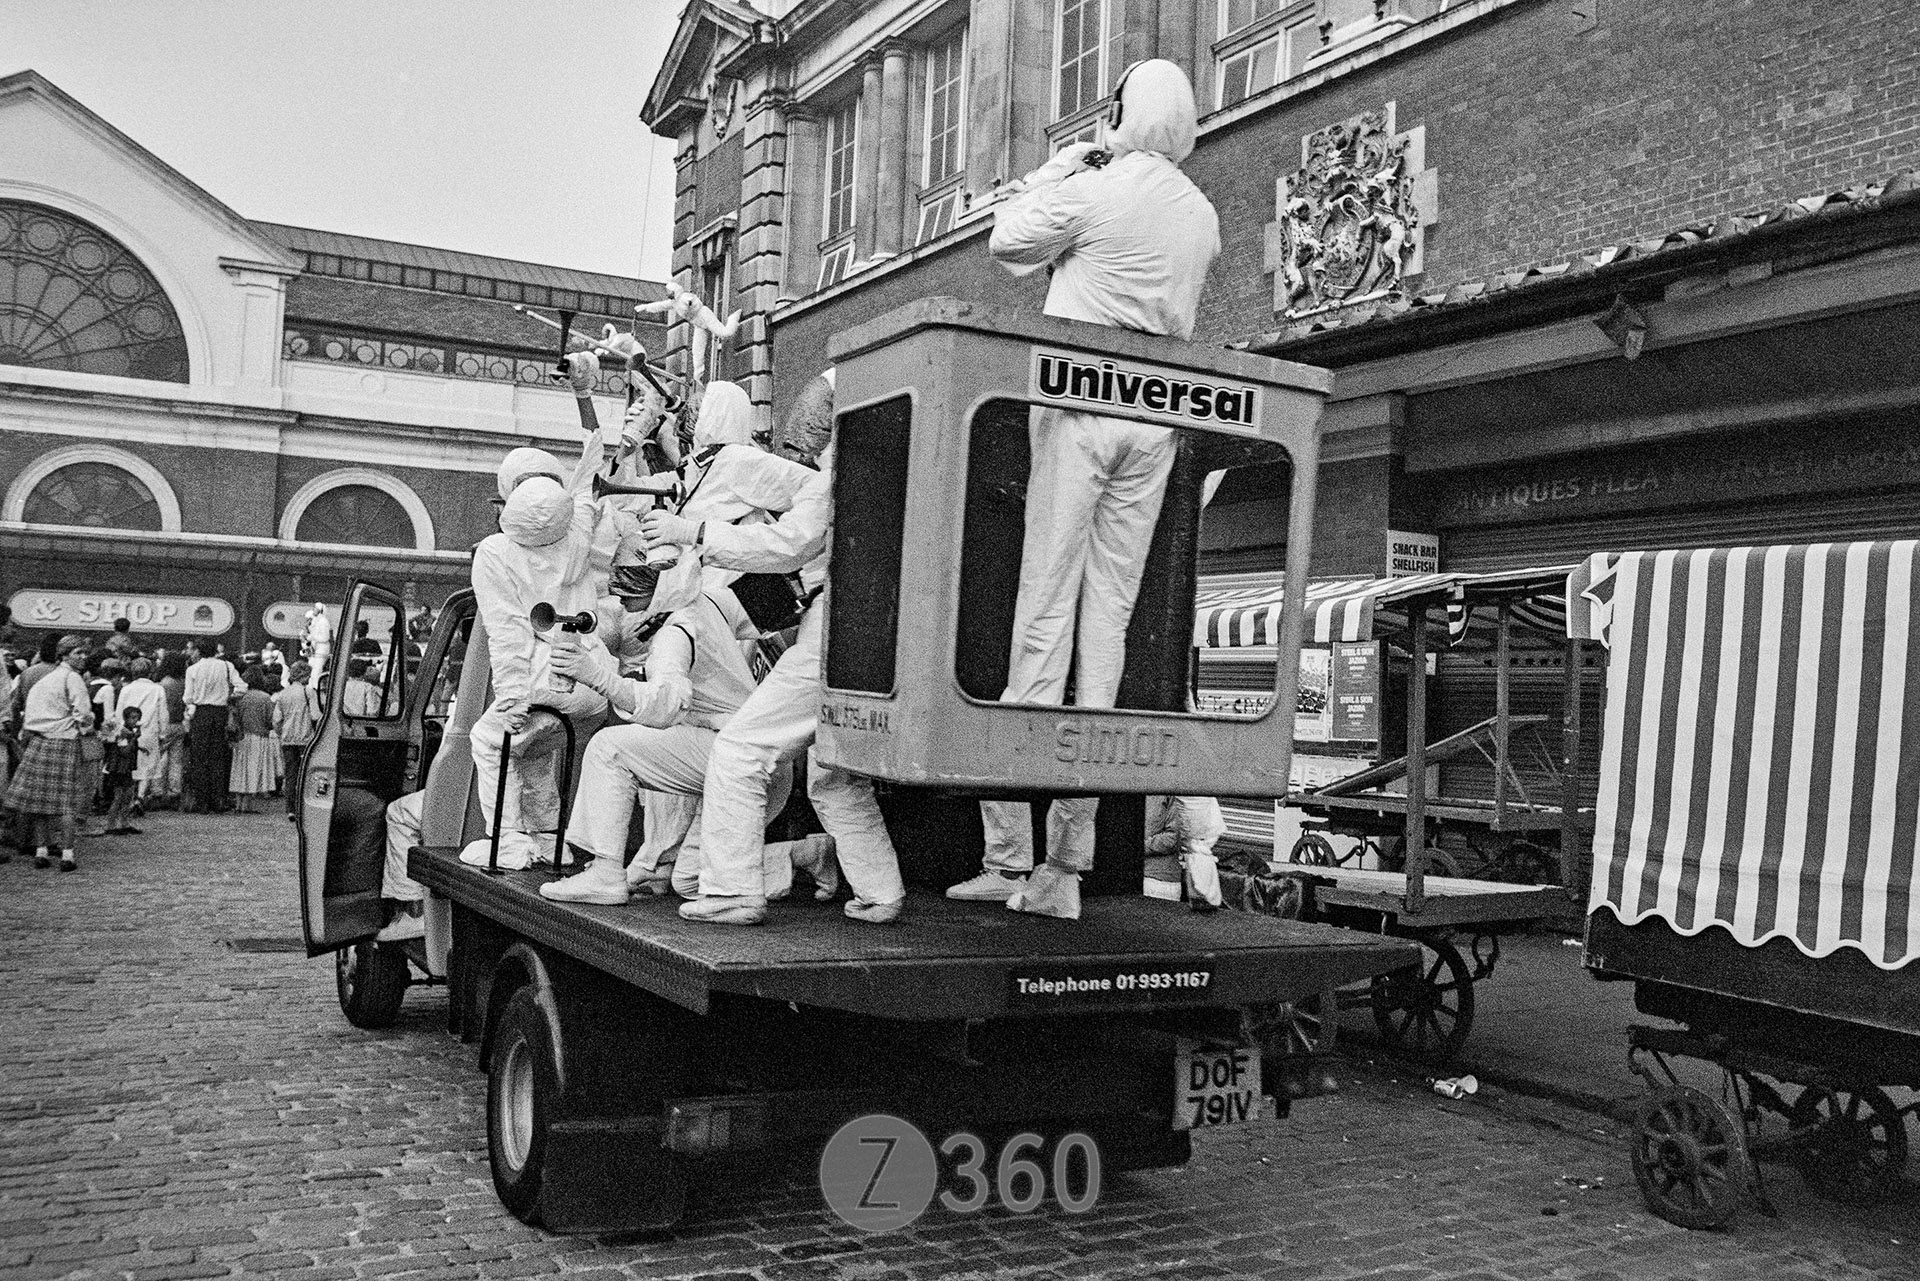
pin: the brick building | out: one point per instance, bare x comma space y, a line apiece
206, 421
1591, 275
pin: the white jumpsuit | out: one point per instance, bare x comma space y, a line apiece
696, 679
1129, 245
508, 580
780, 719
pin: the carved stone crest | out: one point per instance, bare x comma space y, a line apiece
1347, 219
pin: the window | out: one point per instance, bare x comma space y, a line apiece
1263, 42
356, 514
834, 263
937, 216
716, 290
96, 495
74, 298
946, 108
842, 138
1089, 52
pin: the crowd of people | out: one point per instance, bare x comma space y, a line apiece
111, 729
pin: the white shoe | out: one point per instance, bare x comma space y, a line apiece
650, 884
726, 909
988, 887
604, 882
517, 850
1051, 891
874, 913
403, 927
816, 856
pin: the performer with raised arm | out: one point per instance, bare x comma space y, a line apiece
1128, 242
543, 554
779, 720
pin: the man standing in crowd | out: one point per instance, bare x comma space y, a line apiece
296, 710
211, 685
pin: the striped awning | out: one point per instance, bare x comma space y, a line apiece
1760, 765
1239, 610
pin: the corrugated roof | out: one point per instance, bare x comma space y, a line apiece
1621, 258
309, 240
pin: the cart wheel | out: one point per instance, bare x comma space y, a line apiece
1441, 862
1858, 1155
1314, 849
371, 980
1308, 1026
1426, 1010
1689, 1157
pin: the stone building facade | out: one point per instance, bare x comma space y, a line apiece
1606, 274
206, 421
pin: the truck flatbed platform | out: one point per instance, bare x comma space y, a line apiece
1449, 900
942, 960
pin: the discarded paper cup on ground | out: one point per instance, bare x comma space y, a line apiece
1457, 1087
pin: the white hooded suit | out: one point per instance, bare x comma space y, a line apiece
1129, 245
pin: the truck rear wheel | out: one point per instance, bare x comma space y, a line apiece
371, 980
522, 1088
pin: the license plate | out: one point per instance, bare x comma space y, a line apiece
1215, 1087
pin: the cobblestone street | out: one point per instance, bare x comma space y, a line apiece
174, 1106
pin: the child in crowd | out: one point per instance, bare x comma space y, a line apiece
121, 759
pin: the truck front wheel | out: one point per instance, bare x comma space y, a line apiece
522, 1088
371, 979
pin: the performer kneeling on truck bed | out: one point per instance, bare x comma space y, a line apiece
1129, 241
778, 721
697, 677
542, 555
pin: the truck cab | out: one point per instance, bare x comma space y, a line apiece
623, 1043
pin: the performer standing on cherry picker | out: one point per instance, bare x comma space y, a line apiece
1129, 241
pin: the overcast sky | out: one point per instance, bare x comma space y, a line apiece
506, 127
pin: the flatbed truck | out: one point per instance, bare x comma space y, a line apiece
623, 1043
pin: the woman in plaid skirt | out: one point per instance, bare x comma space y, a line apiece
53, 782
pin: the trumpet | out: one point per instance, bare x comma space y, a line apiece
659, 489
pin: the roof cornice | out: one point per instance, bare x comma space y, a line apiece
31, 84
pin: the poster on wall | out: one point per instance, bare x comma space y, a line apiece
1339, 694
1313, 706
1338, 699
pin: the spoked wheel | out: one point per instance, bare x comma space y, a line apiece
1308, 1026
1426, 1010
1314, 849
1689, 1157
1858, 1155
371, 980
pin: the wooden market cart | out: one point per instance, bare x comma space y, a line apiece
1755, 873
1517, 818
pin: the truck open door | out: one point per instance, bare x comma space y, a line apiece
357, 763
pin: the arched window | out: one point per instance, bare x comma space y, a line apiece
358, 514
99, 495
73, 297
96, 486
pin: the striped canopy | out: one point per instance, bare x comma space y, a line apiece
1760, 765
1241, 610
